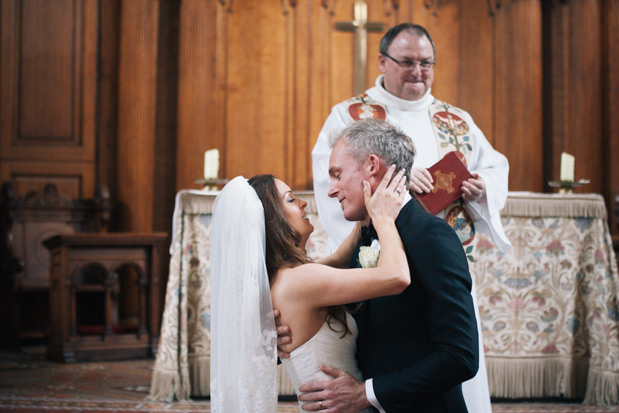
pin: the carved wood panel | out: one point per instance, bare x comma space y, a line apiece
48, 81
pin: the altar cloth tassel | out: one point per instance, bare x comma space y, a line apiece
169, 385
535, 378
545, 205
603, 388
200, 373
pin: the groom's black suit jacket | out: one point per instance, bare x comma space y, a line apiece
420, 345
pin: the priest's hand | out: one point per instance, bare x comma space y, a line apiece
342, 394
420, 181
473, 189
283, 337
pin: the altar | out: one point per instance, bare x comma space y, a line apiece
548, 307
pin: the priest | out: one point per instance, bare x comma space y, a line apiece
402, 96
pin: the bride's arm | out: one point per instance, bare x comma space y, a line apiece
341, 257
320, 286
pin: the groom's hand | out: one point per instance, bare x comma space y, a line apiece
342, 394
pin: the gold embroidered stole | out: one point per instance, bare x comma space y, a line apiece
364, 107
452, 133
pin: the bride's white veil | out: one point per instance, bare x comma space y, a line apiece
243, 335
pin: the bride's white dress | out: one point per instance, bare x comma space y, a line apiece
326, 347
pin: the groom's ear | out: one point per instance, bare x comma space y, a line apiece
373, 165
376, 171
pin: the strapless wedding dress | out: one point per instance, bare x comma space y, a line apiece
326, 347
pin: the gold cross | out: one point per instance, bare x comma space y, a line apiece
360, 26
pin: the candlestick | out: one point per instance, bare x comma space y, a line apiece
567, 167
566, 184
211, 164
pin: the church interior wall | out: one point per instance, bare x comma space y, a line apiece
130, 93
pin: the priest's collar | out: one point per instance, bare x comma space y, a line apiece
380, 94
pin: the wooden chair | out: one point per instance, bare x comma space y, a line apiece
24, 271
104, 295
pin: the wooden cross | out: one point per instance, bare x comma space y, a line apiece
360, 26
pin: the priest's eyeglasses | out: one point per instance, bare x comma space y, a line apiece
424, 65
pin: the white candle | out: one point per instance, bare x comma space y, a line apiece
567, 167
211, 164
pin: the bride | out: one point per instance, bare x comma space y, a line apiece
258, 263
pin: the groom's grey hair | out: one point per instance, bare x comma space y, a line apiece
374, 136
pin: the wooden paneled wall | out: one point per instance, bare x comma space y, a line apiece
137, 87
610, 102
131, 93
272, 83
581, 99
48, 94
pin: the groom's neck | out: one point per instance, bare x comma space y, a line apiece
366, 222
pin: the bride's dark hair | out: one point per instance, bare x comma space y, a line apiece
282, 241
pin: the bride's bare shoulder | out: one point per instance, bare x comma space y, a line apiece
293, 279
304, 270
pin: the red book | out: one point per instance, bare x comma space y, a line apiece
447, 175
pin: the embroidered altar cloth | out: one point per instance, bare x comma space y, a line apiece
549, 307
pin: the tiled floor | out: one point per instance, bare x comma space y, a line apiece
29, 383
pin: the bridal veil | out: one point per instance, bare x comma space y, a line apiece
243, 335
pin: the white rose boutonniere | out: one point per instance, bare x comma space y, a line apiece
368, 256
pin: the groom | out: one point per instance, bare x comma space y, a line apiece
414, 349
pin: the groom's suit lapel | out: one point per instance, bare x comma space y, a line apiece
405, 215
368, 234
400, 222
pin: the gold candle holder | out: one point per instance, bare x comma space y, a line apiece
567, 187
213, 184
